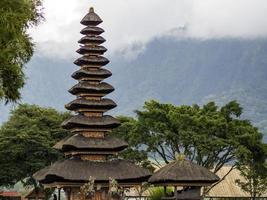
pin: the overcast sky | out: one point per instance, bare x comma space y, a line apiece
138, 21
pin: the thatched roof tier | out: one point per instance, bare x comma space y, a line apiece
100, 89
99, 74
91, 50
183, 172
92, 60
81, 121
81, 130
92, 30
77, 170
91, 19
92, 39
81, 103
79, 142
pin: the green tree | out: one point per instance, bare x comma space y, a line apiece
134, 152
16, 46
208, 135
26, 141
253, 168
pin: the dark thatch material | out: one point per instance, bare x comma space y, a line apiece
76, 170
91, 60
91, 18
92, 39
86, 87
79, 142
103, 104
183, 171
99, 74
91, 50
92, 30
81, 121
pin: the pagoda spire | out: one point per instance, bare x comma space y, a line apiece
89, 150
90, 105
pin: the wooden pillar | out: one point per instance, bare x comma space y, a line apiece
175, 192
165, 190
58, 193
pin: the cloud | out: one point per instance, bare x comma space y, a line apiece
137, 21
228, 18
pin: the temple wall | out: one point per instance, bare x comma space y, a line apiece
99, 195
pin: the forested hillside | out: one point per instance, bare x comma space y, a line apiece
195, 71
179, 71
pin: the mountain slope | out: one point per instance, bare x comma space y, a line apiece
194, 71
184, 71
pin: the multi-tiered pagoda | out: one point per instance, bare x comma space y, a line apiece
89, 149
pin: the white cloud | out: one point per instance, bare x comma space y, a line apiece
228, 18
129, 21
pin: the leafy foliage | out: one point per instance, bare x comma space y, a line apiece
88, 189
26, 141
208, 135
16, 46
253, 168
134, 152
156, 193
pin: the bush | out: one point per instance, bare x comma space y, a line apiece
156, 193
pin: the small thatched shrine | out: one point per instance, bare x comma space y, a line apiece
90, 151
186, 177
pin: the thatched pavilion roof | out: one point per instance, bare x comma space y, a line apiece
183, 172
76, 170
228, 188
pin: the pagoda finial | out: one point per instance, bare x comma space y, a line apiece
91, 18
91, 10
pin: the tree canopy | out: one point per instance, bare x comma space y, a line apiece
253, 168
209, 135
26, 141
16, 46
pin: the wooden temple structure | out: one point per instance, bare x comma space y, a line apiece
186, 178
90, 150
